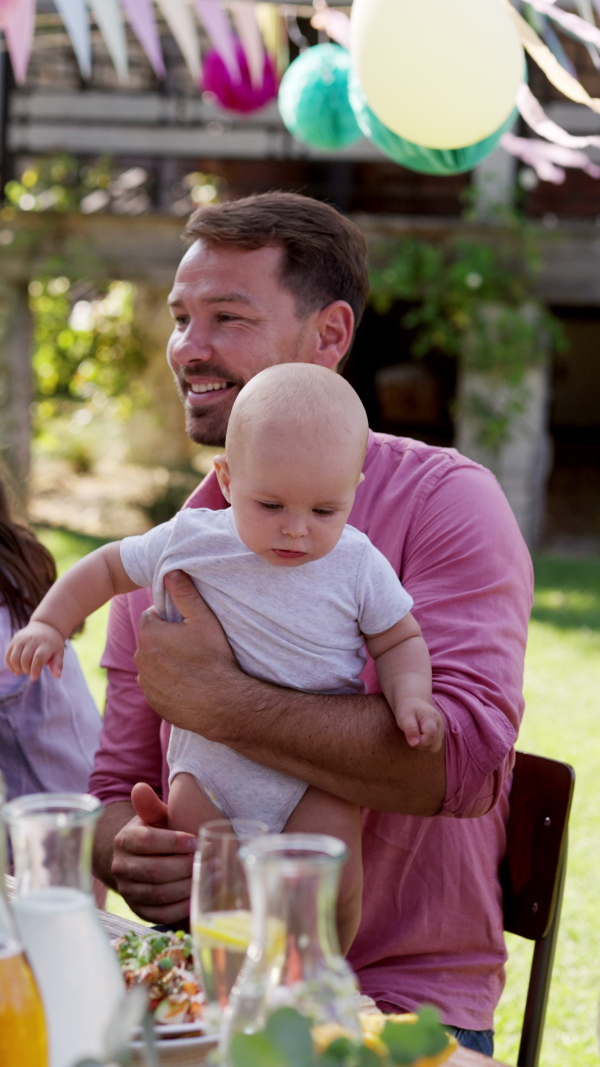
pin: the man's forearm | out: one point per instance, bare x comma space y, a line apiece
350, 746
113, 818
346, 745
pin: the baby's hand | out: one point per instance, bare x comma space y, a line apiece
34, 647
422, 724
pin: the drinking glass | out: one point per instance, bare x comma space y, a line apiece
220, 907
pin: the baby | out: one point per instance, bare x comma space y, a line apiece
298, 592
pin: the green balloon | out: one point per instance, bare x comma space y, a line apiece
444, 161
313, 98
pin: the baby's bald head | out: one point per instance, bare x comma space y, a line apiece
298, 406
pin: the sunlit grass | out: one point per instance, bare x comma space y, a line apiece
67, 548
562, 689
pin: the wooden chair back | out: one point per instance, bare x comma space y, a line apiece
532, 876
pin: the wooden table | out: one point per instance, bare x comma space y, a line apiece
116, 926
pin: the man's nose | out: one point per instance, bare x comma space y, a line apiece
194, 345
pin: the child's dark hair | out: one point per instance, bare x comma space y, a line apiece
27, 569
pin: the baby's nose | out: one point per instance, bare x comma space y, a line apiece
295, 525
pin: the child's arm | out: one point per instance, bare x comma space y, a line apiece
83, 589
404, 671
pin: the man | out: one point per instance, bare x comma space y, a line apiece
279, 278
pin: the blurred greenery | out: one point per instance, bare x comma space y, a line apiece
474, 300
57, 182
562, 682
85, 352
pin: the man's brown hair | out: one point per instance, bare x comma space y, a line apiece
324, 254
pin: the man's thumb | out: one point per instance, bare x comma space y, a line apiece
148, 806
183, 593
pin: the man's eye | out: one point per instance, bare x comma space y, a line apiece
269, 505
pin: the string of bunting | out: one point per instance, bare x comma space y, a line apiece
435, 86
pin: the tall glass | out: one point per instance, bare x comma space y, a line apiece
74, 964
294, 957
220, 907
22, 1024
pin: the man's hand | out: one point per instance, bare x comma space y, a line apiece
152, 865
37, 645
183, 667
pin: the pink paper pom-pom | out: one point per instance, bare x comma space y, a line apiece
238, 95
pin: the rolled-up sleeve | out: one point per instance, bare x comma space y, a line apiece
471, 578
131, 748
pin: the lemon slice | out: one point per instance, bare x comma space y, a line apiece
224, 929
232, 930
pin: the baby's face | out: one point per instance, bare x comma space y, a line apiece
291, 505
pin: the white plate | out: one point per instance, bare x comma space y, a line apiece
178, 1035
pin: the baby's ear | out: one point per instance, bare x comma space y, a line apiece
361, 479
223, 475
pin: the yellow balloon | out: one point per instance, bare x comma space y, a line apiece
440, 73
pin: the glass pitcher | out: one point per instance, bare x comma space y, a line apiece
74, 965
293, 959
22, 1025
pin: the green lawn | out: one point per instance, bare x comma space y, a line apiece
67, 548
562, 684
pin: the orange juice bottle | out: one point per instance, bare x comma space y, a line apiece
22, 1025
23, 1041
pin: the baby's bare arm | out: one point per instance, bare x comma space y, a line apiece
83, 589
404, 671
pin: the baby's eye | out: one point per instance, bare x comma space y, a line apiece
269, 505
323, 511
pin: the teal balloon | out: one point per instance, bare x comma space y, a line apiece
313, 98
444, 161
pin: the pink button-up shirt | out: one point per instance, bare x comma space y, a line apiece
432, 919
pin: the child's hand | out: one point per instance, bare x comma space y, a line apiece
34, 647
422, 724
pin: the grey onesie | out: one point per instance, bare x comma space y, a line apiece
299, 627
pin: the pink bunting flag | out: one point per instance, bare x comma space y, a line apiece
335, 24
17, 19
535, 117
140, 14
548, 159
219, 30
249, 33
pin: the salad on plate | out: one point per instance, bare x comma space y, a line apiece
164, 963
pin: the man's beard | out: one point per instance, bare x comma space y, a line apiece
207, 426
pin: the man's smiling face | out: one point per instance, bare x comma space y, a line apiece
232, 318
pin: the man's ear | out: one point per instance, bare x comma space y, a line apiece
335, 329
223, 475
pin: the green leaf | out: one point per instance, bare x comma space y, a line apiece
290, 1034
408, 1042
255, 1050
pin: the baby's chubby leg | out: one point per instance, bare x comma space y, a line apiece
322, 813
189, 807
